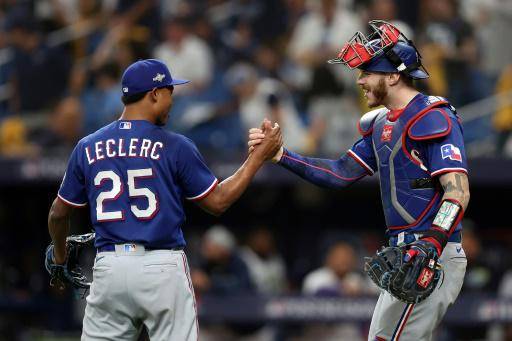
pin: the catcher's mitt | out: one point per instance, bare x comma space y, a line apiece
410, 282
70, 272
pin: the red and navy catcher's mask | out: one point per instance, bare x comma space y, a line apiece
386, 49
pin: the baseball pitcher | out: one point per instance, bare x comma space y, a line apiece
133, 175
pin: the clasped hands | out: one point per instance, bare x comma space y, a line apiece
266, 142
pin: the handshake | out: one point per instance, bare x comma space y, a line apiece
266, 143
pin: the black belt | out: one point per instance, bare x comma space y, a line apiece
112, 247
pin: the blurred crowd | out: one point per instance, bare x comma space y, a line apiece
61, 61
257, 260
223, 265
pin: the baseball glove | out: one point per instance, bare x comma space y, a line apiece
410, 282
69, 273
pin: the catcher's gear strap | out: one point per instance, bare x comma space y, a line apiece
446, 220
365, 124
431, 125
399, 64
324, 172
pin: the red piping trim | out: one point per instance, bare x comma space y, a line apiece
325, 170
205, 194
433, 136
404, 322
191, 287
360, 162
420, 217
70, 203
449, 170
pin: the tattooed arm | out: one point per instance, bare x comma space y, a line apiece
456, 187
451, 210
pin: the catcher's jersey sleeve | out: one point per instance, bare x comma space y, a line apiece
447, 154
362, 152
194, 176
72, 189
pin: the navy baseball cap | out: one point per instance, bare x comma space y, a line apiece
144, 75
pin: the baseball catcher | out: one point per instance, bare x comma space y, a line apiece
415, 143
69, 273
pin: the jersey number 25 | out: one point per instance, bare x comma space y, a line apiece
117, 190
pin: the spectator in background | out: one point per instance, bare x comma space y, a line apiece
266, 266
502, 119
333, 117
503, 331
317, 37
221, 271
456, 46
386, 10
259, 98
13, 139
483, 272
184, 51
102, 103
129, 13
81, 21
40, 73
492, 23
239, 42
64, 127
483, 275
339, 275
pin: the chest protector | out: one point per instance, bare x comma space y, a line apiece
410, 196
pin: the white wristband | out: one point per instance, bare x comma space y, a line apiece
278, 155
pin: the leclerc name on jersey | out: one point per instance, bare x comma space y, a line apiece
114, 148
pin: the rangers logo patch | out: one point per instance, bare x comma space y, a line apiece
425, 277
449, 151
387, 133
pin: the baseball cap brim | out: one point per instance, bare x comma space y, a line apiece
179, 81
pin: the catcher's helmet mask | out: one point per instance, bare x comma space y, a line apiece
386, 49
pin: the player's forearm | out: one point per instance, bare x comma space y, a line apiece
229, 190
451, 210
323, 172
456, 187
58, 227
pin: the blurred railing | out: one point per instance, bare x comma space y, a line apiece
467, 310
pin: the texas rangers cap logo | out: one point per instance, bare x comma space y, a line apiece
449, 151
